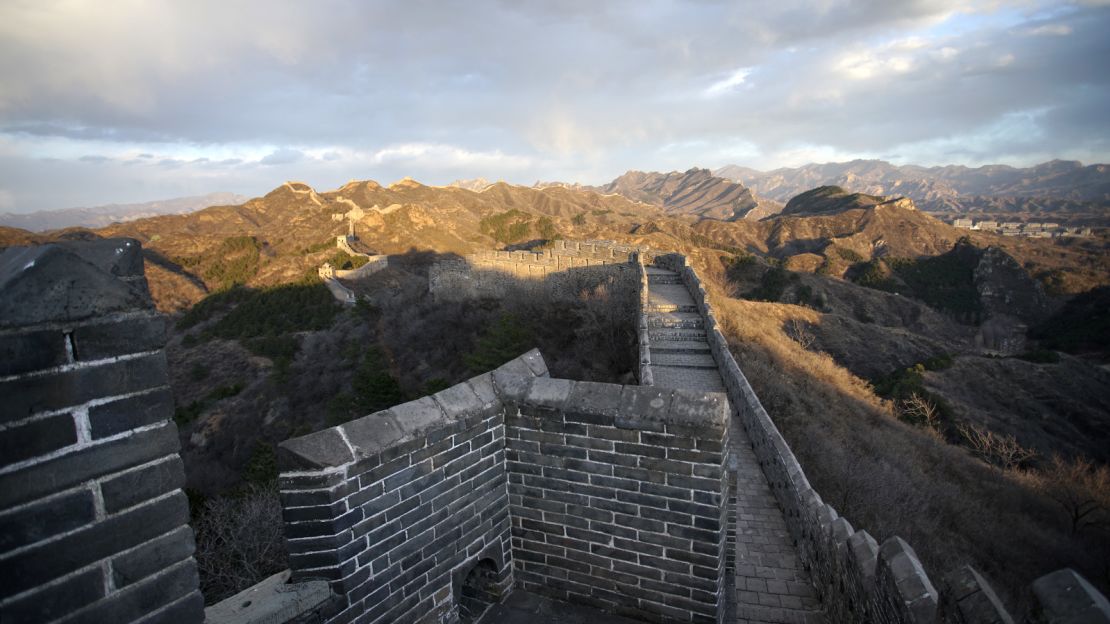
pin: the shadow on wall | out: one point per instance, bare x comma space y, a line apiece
460, 281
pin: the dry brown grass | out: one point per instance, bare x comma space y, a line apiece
894, 479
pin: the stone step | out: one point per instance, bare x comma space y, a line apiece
676, 320
664, 279
671, 307
680, 346
702, 379
677, 335
683, 360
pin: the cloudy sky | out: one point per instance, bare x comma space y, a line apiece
117, 100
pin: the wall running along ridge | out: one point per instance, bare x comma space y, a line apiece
93, 521
601, 494
856, 578
643, 332
331, 275
562, 271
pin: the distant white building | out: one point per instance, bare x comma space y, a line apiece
967, 224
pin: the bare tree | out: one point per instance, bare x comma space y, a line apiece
919, 409
239, 541
1003, 451
799, 331
1081, 487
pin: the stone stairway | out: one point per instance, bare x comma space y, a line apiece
770, 585
680, 355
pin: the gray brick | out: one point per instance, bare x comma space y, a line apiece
87, 463
56, 601
142, 599
26, 396
32, 350
131, 335
132, 488
38, 565
125, 414
152, 557
42, 520
35, 438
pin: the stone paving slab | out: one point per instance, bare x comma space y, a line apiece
680, 346
523, 607
688, 378
674, 294
771, 585
686, 360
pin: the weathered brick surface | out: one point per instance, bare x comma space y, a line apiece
609, 499
610, 508
36, 438
92, 516
415, 494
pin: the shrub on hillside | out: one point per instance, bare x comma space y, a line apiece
235, 262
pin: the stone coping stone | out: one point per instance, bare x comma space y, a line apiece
62, 283
273, 601
1065, 596
629, 407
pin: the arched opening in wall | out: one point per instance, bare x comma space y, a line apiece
478, 591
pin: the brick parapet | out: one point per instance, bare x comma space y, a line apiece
619, 497
643, 333
92, 514
562, 271
391, 507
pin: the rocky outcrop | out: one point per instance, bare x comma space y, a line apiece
696, 192
834, 199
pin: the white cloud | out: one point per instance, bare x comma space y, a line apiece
1058, 30
729, 83
432, 156
523, 91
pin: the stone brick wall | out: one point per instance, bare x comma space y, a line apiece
618, 497
372, 266
92, 516
562, 271
600, 494
643, 332
394, 508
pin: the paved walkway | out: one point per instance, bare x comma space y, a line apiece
680, 355
771, 587
523, 607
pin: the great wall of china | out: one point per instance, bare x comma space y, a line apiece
676, 500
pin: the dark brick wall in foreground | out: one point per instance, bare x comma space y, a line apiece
93, 522
396, 507
599, 494
618, 497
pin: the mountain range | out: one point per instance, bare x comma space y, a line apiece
100, 216
1067, 188
696, 192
